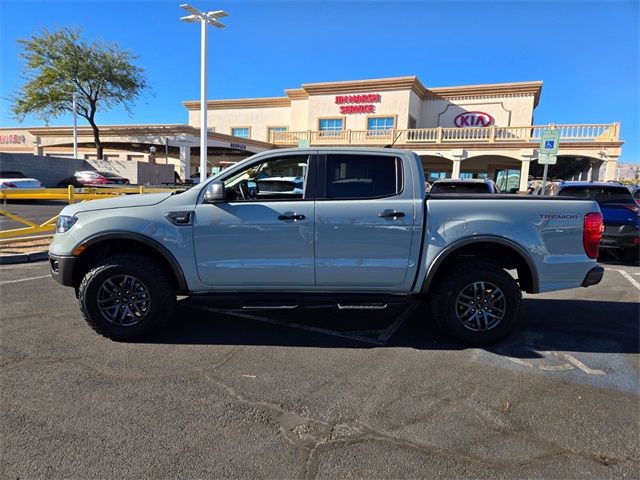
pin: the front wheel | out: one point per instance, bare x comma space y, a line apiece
476, 302
126, 297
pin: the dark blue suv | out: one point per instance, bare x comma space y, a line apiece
620, 212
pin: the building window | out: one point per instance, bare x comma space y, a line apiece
275, 129
331, 127
412, 122
242, 132
380, 125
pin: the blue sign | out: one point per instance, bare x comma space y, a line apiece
549, 144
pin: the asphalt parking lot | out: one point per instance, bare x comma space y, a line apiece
320, 393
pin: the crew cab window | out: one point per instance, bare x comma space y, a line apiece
362, 176
282, 178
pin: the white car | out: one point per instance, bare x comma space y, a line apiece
18, 180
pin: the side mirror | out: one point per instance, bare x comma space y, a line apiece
214, 192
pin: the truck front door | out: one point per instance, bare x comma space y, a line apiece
259, 238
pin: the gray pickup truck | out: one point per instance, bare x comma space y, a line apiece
359, 229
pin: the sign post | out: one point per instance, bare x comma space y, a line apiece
549, 142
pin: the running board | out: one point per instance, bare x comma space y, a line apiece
362, 306
269, 307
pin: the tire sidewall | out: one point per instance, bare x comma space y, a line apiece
160, 302
512, 295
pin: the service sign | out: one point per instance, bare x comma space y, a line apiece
12, 139
473, 119
362, 103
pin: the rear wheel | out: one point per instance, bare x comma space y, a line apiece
126, 297
476, 302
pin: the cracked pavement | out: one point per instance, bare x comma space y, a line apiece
218, 396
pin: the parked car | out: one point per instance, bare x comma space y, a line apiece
363, 235
448, 185
92, 178
621, 214
635, 193
13, 179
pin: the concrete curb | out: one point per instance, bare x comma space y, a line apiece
23, 258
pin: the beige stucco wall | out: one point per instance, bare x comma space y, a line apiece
392, 104
506, 110
222, 120
304, 114
9, 142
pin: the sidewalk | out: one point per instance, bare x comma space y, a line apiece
24, 251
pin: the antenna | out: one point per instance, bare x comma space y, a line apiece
394, 141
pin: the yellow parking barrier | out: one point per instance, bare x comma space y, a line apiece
70, 195
31, 227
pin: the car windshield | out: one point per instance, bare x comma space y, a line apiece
459, 187
12, 175
108, 174
599, 194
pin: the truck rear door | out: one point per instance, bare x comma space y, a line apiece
365, 218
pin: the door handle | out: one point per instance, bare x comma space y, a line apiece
291, 216
390, 214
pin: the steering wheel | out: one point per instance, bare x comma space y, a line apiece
243, 189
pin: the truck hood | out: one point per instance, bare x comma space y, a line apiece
124, 201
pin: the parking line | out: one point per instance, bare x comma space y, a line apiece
627, 276
3, 282
384, 335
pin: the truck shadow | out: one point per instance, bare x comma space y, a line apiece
546, 325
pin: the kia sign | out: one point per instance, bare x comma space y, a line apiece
473, 119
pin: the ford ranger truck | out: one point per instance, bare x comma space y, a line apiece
360, 229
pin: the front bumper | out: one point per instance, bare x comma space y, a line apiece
593, 276
62, 268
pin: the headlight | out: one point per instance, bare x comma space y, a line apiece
64, 223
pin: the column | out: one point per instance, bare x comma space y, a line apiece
524, 176
455, 172
37, 147
584, 176
610, 169
185, 162
458, 155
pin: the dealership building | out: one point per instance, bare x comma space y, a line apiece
472, 131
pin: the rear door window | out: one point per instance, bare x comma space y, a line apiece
362, 176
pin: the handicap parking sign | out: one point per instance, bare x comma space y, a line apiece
549, 141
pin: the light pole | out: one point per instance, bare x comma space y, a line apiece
75, 124
204, 18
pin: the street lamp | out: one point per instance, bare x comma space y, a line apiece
204, 18
75, 124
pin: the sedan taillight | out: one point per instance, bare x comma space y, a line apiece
592, 233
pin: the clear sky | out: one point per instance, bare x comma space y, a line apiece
587, 53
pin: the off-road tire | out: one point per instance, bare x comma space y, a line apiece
452, 282
157, 281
